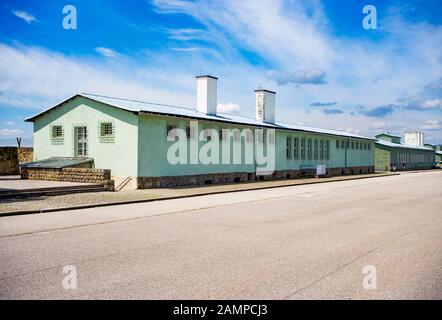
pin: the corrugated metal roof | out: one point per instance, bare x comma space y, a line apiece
400, 145
156, 108
439, 152
56, 162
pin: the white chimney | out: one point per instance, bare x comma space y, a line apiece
415, 138
265, 105
206, 94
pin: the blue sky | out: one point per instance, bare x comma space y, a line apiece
327, 70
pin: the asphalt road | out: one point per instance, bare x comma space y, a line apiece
299, 242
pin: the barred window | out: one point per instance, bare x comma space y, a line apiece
337, 144
190, 134
327, 149
271, 138
57, 132
303, 148
236, 135
249, 136
315, 150
106, 129
224, 133
170, 131
296, 148
309, 148
289, 147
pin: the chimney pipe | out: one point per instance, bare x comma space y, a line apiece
265, 105
206, 97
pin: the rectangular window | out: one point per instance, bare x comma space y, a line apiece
189, 132
309, 148
369, 146
337, 144
260, 134
321, 149
315, 150
249, 136
236, 135
271, 138
296, 148
57, 132
327, 149
303, 148
80, 137
106, 129
289, 147
170, 133
347, 144
206, 135
352, 144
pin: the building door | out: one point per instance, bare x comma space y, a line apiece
80, 141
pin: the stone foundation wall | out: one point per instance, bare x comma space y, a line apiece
8, 161
217, 178
84, 175
25, 154
11, 157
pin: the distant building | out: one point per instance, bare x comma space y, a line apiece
414, 138
438, 151
391, 154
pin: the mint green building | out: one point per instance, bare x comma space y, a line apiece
131, 138
438, 152
391, 154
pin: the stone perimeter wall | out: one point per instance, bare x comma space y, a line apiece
11, 157
218, 178
84, 175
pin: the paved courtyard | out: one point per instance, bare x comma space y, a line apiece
296, 242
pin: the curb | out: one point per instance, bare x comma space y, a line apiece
89, 206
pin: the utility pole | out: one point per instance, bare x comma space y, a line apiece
18, 142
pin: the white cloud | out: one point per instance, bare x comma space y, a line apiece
432, 104
186, 34
431, 125
231, 108
379, 125
10, 132
25, 85
107, 52
28, 18
9, 123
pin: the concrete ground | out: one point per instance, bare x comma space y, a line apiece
42, 203
15, 183
297, 242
